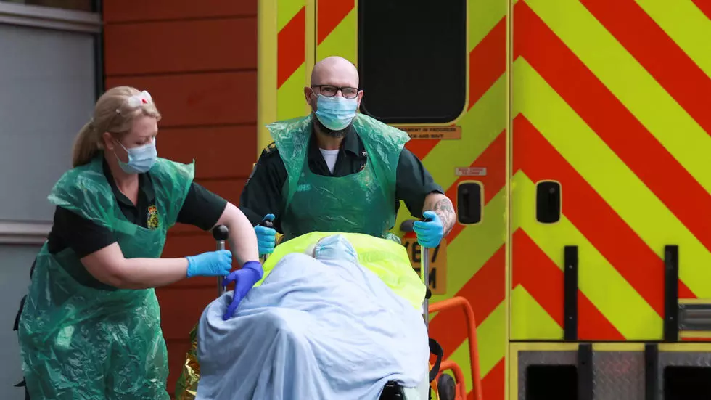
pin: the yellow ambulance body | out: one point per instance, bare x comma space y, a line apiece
573, 138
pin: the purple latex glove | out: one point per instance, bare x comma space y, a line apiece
244, 278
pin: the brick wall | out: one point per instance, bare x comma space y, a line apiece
198, 59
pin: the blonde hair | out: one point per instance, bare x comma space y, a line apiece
112, 114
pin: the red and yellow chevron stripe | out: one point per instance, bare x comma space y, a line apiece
292, 56
336, 29
599, 86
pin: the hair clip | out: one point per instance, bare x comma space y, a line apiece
136, 100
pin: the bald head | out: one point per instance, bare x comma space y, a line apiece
332, 77
336, 71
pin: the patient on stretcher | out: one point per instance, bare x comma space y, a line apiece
324, 323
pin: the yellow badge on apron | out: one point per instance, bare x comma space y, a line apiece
153, 219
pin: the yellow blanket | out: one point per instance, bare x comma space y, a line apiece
385, 258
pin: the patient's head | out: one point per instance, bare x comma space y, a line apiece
335, 247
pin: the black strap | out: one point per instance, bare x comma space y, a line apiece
585, 372
22, 302
436, 349
22, 384
671, 293
570, 293
32, 268
19, 313
17, 323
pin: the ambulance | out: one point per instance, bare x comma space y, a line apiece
573, 138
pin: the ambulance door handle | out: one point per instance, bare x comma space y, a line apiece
470, 202
549, 201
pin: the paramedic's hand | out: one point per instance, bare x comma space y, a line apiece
213, 263
429, 232
266, 237
244, 278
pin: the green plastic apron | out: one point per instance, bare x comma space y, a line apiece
79, 342
363, 202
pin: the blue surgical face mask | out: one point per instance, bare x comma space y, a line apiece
140, 159
336, 112
335, 247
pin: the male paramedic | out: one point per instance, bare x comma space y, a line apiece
337, 170
334, 170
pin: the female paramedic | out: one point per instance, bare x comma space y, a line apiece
90, 325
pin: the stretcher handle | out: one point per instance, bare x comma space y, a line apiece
221, 233
409, 226
425, 256
268, 224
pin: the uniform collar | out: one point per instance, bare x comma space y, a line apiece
351, 143
145, 187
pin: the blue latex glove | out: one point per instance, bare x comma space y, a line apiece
266, 237
244, 278
213, 263
429, 232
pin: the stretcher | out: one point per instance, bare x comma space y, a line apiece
441, 386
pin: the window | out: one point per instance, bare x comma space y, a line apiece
687, 383
48, 92
551, 382
78, 5
412, 59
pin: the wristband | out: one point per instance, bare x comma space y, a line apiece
255, 266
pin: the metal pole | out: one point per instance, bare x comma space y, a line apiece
425, 255
408, 226
221, 233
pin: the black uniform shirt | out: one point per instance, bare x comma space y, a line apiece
262, 194
201, 208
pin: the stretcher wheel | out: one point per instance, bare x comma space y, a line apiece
446, 387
